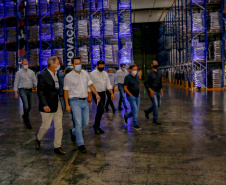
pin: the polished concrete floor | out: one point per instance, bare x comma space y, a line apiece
188, 148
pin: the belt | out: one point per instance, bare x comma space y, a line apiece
79, 98
26, 88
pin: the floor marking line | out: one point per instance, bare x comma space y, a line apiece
56, 181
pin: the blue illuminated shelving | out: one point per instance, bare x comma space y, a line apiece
185, 37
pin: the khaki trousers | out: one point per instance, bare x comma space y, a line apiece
47, 119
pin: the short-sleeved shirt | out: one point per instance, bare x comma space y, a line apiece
132, 84
77, 84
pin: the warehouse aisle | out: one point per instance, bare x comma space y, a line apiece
189, 147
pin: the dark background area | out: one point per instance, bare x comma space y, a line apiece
145, 44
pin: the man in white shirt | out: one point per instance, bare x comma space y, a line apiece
120, 76
77, 86
101, 82
24, 82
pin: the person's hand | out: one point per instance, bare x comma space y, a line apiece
114, 86
98, 98
152, 93
162, 93
112, 97
46, 109
89, 99
68, 108
16, 95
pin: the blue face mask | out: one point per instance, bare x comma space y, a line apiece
57, 68
110, 74
123, 69
78, 67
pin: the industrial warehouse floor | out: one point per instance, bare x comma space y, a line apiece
188, 148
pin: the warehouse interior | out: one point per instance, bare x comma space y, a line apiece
186, 37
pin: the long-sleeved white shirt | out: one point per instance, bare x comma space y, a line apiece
120, 76
100, 80
77, 84
25, 79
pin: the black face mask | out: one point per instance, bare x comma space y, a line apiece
155, 66
100, 68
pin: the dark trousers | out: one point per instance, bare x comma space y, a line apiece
100, 108
109, 101
26, 97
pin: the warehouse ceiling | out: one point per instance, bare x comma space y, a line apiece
150, 10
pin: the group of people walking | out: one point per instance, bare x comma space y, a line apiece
75, 89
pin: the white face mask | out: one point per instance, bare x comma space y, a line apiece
25, 66
134, 73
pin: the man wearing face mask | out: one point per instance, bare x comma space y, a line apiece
133, 95
76, 86
153, 84
49, 104
120, 76
24, 82
101, 82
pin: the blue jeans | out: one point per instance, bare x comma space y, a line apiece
122, 95
26, 97
156, 102
134, 104
80, 114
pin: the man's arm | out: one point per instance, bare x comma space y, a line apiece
93, 89
34, 79
109, 87
66, 98
126, 87
41, 94
146, 84
15, 87
127, 91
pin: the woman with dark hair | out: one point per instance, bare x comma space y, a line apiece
131, 87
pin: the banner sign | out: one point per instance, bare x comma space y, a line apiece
69, 32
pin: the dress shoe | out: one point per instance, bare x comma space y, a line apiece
146, 114
82, 149
28, 125
37, 144
96, 130
59, 151
156, 122
73, 138
137, 127
101, 131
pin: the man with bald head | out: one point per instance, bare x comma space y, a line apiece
153, 84
24, 82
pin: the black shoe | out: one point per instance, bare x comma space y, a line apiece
120, 108
73, 138
82, 149
137, 127
114, 110
146, 114
156, 122
101, 131
37, 144
59, 151
28, 125
125, 120
96, 130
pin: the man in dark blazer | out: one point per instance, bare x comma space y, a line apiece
50, 105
